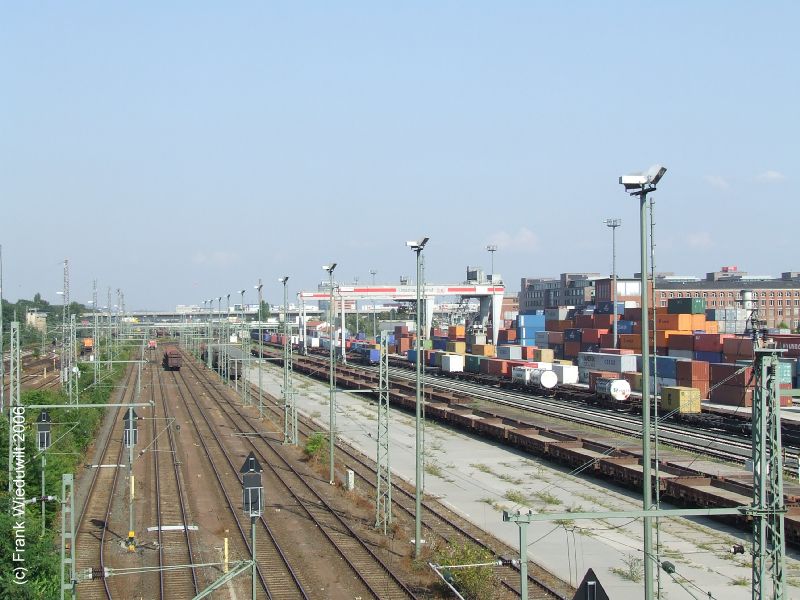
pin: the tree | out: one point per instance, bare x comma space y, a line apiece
782, 325
264, 309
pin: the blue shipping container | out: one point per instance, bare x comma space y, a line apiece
623, 327
530, 321
709, 357
527, 342
411, 355
607, 308
439, 344
528, 333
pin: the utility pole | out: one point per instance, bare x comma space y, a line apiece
613, 224
769, 542
95, 335
332, 375
66, 354
417, 247
641, 184
383, 489
260, 346
373, 272
492, 248
289, 407
110, 343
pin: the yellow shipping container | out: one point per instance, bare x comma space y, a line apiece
483, 349
457, 347
543, 355
562, 362
686, 400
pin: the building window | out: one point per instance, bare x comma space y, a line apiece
763, 302
663, 294
771, 302
780, 294
672, 294
697, 294
705, 294
780, 312
663, 303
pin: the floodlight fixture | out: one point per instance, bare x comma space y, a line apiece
417, 246
638, 181
283, 279
329, 268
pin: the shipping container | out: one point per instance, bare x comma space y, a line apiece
509, 352
566, 374
684, 400
457, 347
572, 335
690, 306
607, 308
453, 363
616, 363
709, 357
531, 321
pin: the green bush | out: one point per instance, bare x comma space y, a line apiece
475, 582
315, 445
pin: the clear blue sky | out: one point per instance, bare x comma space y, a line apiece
183, 150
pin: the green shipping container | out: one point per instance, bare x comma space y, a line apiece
686, 306
473, 363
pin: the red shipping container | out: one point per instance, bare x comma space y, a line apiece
633, 314
616, 351
721, 372
584, 321
498, 367
555, 337
709, 342
571, 349
732, 395
692, 370
680, 341
604, 321
738, 346
607, 340
592, 336
527, 352
595, 375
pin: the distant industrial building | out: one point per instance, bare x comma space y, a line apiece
570, 289
36, 319
778, 298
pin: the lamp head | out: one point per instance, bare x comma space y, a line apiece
637, 181
329, 268
417, 245
283, 280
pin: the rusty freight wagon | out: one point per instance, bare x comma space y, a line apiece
172, 360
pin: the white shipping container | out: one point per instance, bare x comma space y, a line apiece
453, 363
631, 304
599, 361
509, 352
657, 384
566, 373
476, 338
521, 374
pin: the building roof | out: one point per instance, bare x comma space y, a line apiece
769, 284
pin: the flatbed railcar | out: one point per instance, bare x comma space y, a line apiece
172, 360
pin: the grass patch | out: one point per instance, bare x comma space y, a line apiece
632, 569
492, 502
432, 468
316, 446
482, 468
511, 479
516, 497
744, 581
547, 498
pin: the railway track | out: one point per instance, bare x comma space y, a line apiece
174, 547
278, 580
93, 521
692, 439
542, 584
377, 577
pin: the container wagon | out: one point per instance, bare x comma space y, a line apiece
172, 360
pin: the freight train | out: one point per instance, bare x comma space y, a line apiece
172, 360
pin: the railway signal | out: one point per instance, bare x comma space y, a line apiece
252, 502
43, 443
